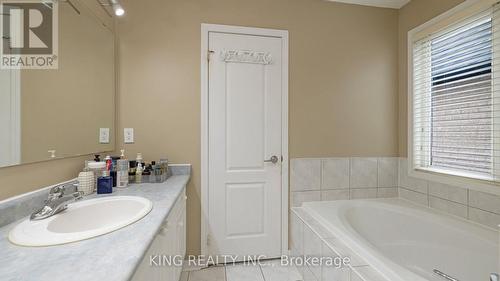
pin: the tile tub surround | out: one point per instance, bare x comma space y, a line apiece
309, 238
479, 207
113, 256
328, 179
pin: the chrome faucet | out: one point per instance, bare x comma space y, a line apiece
57, 201
444, 275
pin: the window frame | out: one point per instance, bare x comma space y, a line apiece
451, 177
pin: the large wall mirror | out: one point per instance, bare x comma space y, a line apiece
52, 114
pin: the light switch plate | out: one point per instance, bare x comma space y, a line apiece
103, 135
128, 135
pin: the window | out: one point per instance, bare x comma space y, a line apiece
455, 98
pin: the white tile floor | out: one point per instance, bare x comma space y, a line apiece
268, 271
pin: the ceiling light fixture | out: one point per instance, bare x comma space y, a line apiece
117, 8
107, 5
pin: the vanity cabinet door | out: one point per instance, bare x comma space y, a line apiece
170, 241
183, 232
166, 248
180, 240
145, 271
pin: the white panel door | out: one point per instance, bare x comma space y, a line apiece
245, 91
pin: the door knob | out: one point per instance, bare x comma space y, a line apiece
274, 159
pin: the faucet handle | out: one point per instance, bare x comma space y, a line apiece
78, 195
70, 188
56, 189
56, 192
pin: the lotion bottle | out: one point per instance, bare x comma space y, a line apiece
138, 173
139, 169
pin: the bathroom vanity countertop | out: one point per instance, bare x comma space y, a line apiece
109, 257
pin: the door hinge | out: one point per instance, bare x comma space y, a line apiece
209, 52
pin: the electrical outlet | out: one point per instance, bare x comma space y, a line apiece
128, 135
104, 135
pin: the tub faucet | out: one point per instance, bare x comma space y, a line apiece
444, 275
494, 277
57, 201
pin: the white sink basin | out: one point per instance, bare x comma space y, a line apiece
82, 220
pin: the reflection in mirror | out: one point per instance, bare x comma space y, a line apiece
47, 114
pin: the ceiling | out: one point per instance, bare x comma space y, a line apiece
395, 4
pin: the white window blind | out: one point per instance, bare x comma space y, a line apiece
456, 124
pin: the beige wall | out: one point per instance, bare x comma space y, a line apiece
343, 78
412, 15
20, 179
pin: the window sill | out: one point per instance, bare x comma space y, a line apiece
462, 174
459, 179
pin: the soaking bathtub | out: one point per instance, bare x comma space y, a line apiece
406, 242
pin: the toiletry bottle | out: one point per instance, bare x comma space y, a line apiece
105, 184
165, 169
139, 169
114, 169
113, 175
132, 166
146, 173
138, 173
97, 168
122, 169
109, 163
114, 160
86, 181
156, 171
109, 169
